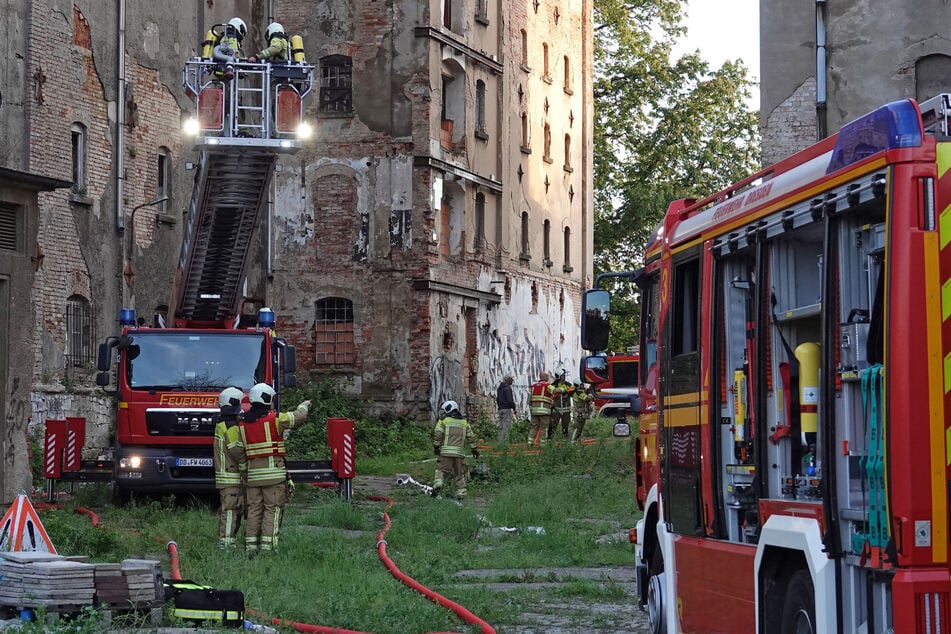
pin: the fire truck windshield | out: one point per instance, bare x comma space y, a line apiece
162, 360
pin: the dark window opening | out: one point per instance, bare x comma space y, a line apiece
336, 84
333, 332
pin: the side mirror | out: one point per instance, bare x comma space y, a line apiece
595, 320
636, 407
104, 362
103, 379
594, 370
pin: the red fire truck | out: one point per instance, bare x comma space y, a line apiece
168, 378
614, 380
794, 444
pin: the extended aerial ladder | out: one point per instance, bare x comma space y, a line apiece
168, 377
241, 128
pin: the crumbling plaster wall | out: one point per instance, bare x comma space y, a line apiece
74, 81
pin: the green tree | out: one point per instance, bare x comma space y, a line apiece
665, 128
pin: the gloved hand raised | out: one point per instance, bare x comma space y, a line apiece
300, 414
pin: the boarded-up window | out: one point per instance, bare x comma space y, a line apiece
333, 332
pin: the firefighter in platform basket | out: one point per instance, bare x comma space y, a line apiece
262, 432
230, 467
223, 45
280, 48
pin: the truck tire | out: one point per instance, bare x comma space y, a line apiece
656, 605
120, 496
799, 606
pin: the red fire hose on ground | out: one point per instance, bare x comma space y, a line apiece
460, 611
408, 581
440, 600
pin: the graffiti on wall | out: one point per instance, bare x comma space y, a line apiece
445, 382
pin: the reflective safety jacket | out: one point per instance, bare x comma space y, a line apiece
583, 402
278, 49
229, 456
452, 435
540, 401
562, 396
264, 445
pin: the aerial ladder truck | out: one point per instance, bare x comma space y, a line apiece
169, 374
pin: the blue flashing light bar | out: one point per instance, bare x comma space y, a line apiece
266, 318
127, 317
894, 125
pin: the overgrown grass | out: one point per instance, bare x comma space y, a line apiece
327, 570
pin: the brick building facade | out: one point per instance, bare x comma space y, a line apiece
823, 64
435, 236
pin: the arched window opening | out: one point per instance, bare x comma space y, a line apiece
546, 242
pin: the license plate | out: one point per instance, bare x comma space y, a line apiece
130, 475
193, 462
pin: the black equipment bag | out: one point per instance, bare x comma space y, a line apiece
199, 603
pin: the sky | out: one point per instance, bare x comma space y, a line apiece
724, 30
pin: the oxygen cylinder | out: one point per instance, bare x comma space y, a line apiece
808, 356
208, 46
297, 49
739, 414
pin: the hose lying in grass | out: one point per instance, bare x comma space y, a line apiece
408, 581
462, 612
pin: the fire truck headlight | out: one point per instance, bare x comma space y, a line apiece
131, 462
191, 127
304, 131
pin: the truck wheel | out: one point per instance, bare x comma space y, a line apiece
799, 608
120, 496
656, 607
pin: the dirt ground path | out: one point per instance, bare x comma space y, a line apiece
554, 615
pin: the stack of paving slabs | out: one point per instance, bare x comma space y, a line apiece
144, 579
34, 579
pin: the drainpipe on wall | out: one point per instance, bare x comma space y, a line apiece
272, 194
821, 123
120, 148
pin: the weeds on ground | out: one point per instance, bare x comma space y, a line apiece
328, 571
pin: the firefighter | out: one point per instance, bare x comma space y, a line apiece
262, 432
230, 467
227, 47
450, 437
583, 402
561, 404
278, 46
539, 405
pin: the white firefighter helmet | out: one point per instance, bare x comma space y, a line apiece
272, 29
262, 393
230, 397
449, 406
240, 28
